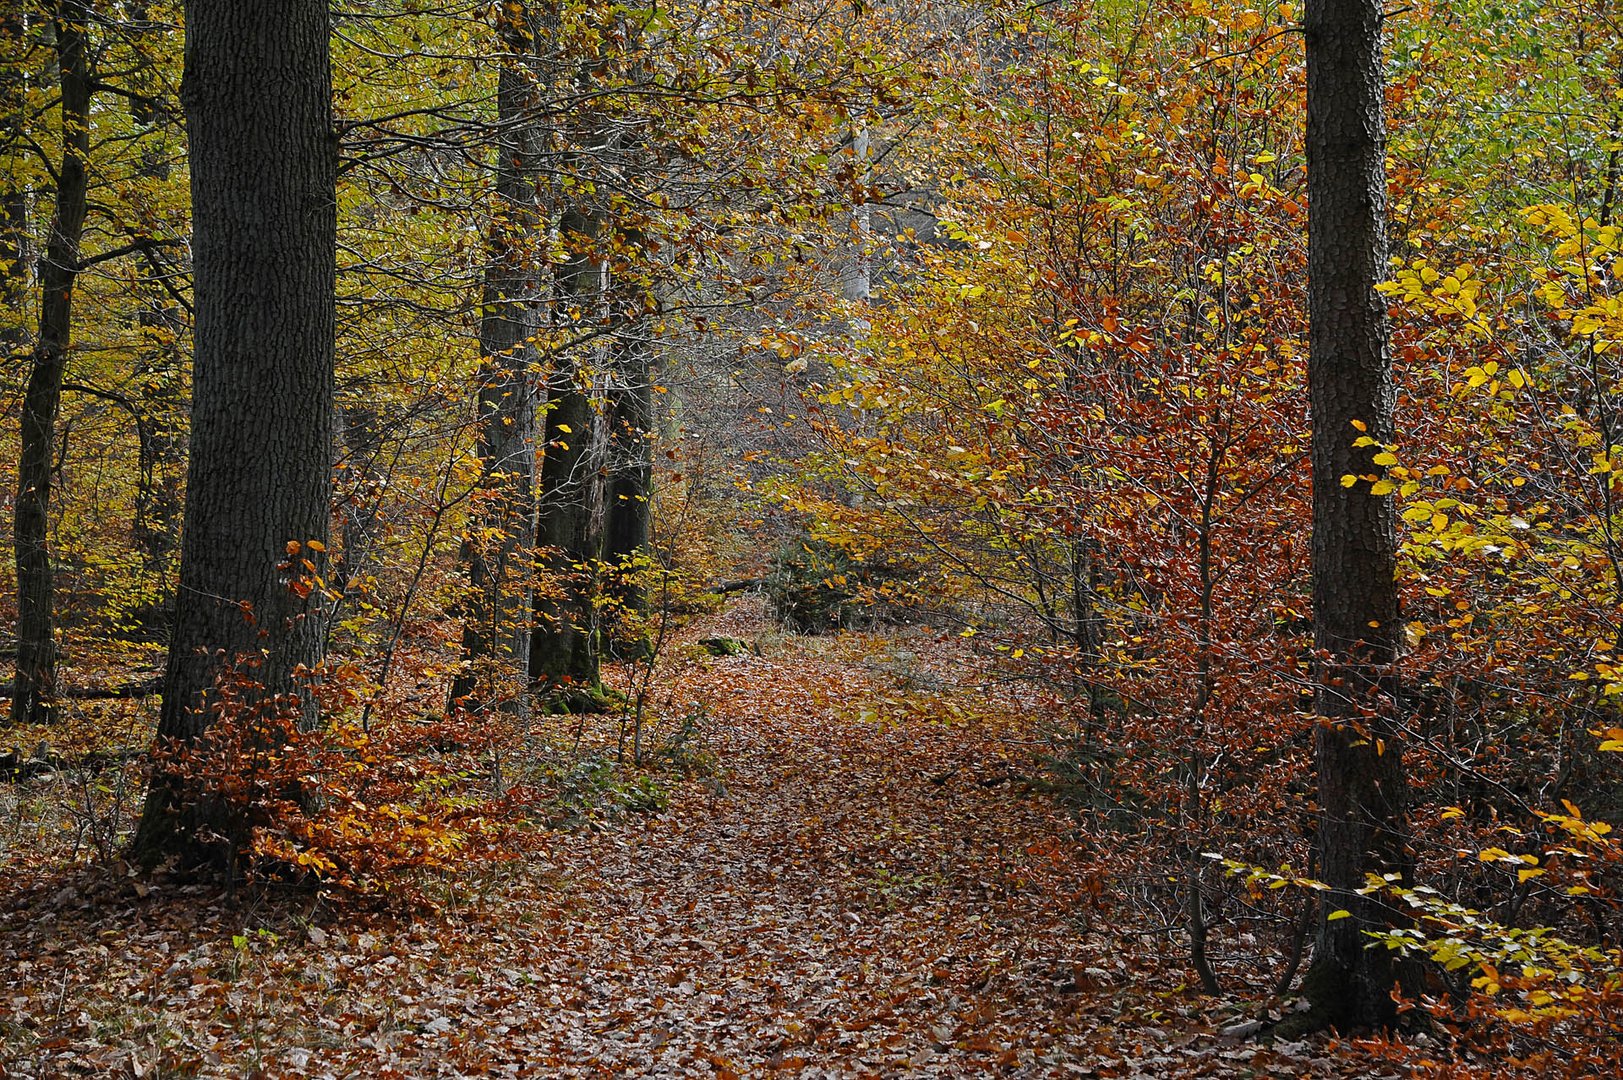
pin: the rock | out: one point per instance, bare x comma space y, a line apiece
723, 646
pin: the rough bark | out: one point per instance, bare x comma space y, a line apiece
1355, 599
495, 636
34, 690
257, 96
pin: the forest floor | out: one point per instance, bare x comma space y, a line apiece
855, 883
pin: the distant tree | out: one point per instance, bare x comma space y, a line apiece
257, 96
564, 639
502, 531
1362, 787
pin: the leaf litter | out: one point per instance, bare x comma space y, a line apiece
862, 886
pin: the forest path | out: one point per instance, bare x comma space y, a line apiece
853, 894
860, 886
864, 888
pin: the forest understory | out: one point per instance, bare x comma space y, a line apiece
848, 868
1184, 438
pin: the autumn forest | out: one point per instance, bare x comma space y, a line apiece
893, 538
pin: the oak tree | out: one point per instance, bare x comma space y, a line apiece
1355, 592
257, 95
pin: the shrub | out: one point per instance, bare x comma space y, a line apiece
367, 813
816, 587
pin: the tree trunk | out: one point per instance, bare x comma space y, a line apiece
501, 535
857, 283
1355, 599
630, 451
564, 650
257, 94
34, 691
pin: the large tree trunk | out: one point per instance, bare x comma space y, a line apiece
501, 534
257, 93
564, 639
34, 691
1355, 599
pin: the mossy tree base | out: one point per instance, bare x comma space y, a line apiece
573, 700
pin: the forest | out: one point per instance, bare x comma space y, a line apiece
899, 538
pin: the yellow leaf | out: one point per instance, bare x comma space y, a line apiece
1334, 915
1349, 480
1382, 487
1385, 457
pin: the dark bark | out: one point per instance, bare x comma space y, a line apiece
34, 690
630, 421
564, 639
257, 96
495, 635
1355, 599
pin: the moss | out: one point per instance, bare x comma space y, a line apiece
574, 700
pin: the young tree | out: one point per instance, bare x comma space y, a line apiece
257, 95
1355, 596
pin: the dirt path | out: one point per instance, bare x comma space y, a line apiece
856, 890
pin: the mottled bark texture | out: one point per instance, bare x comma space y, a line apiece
1355, 601
630, 421
564, 638
257, 95
501, 532
34, 690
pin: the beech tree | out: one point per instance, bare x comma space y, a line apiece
496, 630
257, 96
1355, 597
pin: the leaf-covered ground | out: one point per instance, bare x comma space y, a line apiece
858, 883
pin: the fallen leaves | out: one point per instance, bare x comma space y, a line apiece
845, 898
